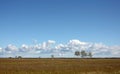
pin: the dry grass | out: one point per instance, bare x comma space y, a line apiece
59, 66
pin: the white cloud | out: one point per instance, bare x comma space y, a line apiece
60, 46
99, 48
11, 48
1, 49
77, 45
24, 48
76, 42
47, 45
115, 50
37, 46
51, 42
51, 47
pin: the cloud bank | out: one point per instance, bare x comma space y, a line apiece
65, 50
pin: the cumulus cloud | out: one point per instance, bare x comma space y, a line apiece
24, 48
47, 45
76, 42
115, 50
51, 47
1, 50
51, 42
11, 48
99, 48
77, 45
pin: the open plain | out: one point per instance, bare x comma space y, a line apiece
59, 66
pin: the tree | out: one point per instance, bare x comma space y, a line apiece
90, 54
83, 54
39, 57
52, 56
15, 56
77, 53
10, 57
19, 57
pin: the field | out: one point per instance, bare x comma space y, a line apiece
59, 66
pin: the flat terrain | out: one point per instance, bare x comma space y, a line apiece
59, 66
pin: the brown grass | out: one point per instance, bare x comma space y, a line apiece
59, 66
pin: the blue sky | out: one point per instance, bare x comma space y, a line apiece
94, 21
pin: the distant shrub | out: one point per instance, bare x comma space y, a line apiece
9, 57
19, 57
52, 56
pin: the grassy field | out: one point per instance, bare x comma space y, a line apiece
59, 66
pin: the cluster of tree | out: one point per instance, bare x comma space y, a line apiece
19, 57
52, 56
83, 54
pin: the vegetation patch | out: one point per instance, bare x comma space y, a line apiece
59, 66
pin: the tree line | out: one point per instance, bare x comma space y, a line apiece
83, 54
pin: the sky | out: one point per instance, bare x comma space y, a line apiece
33, 28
